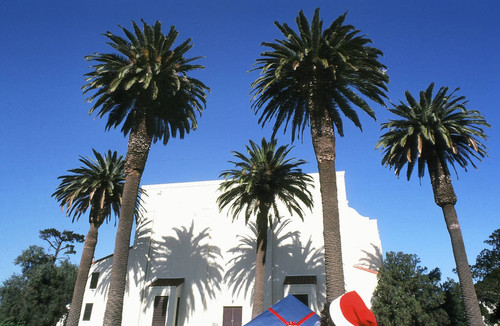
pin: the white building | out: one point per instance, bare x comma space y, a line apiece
191, 265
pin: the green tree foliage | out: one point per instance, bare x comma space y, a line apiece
453, 304
61, 242
32, 257
408, 295
486, 271
57, 240
40, 294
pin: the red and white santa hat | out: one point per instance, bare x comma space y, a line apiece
350, 310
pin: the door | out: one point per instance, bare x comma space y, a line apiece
232, 316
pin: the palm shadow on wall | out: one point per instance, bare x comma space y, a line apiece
302, 260
190, 256
373, 259
286, 245
186, 255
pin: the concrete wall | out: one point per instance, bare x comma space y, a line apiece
183, 235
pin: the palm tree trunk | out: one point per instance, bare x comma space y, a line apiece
139, 144
323, 139
260, 263
445, 197
83, 273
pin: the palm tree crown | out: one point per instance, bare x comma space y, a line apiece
316, 72
148, 77
438, 127
97, 184
265, 177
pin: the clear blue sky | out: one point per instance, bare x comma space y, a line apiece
46, 126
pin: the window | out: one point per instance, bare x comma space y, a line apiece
231, 316
303, 287
160, 311
93, 280
159, 292
88, 311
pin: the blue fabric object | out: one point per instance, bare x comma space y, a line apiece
287, 311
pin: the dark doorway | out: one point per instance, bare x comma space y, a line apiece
304, 298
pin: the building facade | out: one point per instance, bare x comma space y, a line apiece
192, 265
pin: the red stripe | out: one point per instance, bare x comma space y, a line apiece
291, 323
306, 318
277, 315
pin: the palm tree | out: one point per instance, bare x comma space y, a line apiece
310, 78
145, 87
96, 185
254, 187
438, 131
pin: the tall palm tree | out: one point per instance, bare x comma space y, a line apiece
96, 185
437, 132
311, 78
254, 187
145, 87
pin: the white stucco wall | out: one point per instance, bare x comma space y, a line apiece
183, 235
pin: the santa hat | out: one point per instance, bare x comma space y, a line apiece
350, 310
